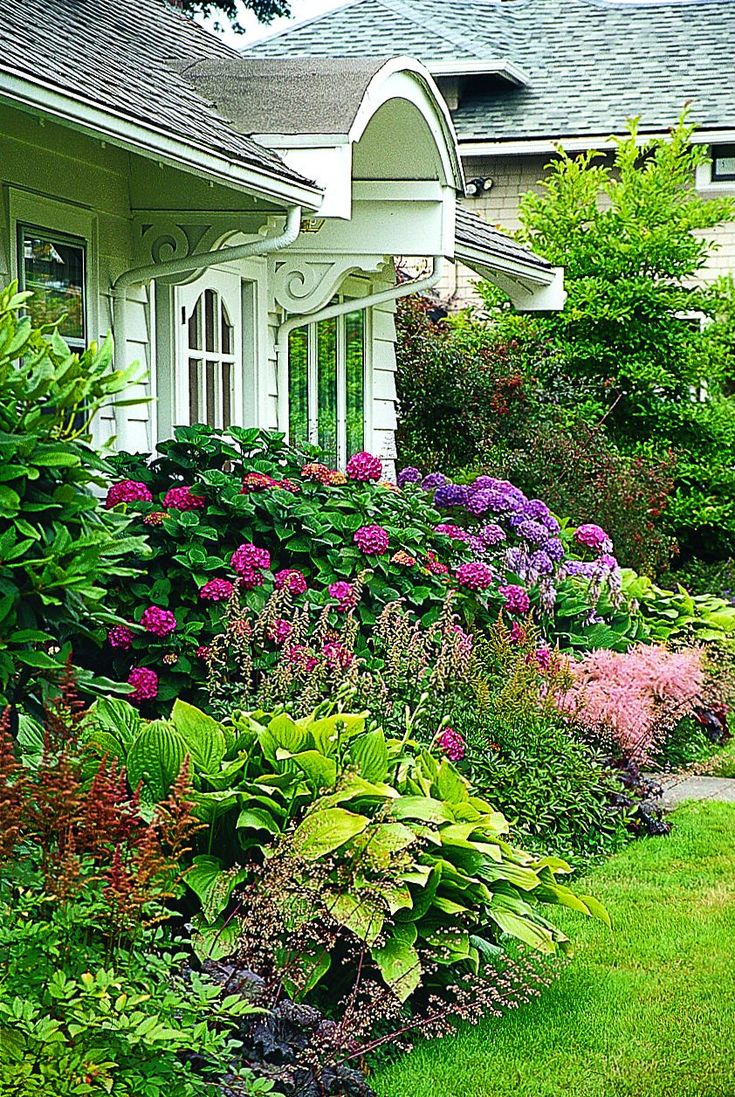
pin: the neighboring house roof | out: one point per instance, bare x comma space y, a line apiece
474, 233
130, 61
590, 64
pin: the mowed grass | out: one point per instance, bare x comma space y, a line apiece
647, 1010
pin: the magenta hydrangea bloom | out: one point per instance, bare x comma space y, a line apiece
541, 658
591, 536
372, 540
455, 532
517, 633
183, 499
145, 682
475, 575
451, 744
128, 491
280, 631
248, 558
515, 598
120, 636
344, 595
216, 590
161, 622
300, 656
364, 466
202, 652
294, 581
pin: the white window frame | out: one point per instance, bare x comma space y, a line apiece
312, 382
227, 286
705, 181
68, 223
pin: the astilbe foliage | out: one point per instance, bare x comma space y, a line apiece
637, 696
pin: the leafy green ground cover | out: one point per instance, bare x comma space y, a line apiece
723, 765
645, 1011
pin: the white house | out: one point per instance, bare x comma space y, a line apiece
234, 221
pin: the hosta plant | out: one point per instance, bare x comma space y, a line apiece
411, 862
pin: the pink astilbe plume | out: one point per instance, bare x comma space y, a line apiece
638, 696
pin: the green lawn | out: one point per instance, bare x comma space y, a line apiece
645, 1011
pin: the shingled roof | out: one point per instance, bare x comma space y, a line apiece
131, 62
590, 64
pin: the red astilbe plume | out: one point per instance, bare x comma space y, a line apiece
12, 786
175, 820
110, 815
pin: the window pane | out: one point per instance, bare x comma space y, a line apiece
210, 320
298, 404
211, 380
226, 394
327, 388
195, 327
355, 386
194, 409
227, 332
54, 272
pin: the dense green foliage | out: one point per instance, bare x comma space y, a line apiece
633, 1013
56, 545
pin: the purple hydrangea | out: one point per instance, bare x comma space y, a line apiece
593, 537
433, 480
535, 509
492, 534
409, 475
516, 560
580, 569
477, 545
551, 523
515, 598
555, 549
541, 563
480, 502
484, 483
450, 495
475, 575
608, 561
532, 531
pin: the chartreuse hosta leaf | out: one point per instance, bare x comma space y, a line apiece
156, 758
324, 831
399, 962
203, 736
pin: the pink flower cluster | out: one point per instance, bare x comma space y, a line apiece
455, 532
372, 540
344, 595
127, 491
294, 581
475, 575
280, 631
515, 598
249, 562
637, 695
121, 637
300, 656
337, 656
435, 566
159, 622
216, 590
183, 498
451, 744
593, 537
364, 466
145, 682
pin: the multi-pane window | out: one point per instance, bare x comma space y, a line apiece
52, 267
210, 361
723, 163
327, 386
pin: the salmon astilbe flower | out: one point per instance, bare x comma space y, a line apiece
638, 696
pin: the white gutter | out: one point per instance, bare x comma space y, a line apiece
477, 146
512, 72
354, 304
186, 265
150, 141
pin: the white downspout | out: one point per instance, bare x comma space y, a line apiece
187, 265
354, 304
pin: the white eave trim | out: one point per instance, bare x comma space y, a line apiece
508, 69
516, 268
470, 147
151, 142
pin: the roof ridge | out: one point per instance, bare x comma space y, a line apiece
299, 24
430, 23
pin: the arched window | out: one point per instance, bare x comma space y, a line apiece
211, 358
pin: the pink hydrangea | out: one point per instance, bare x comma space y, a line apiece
455, 532
435, 565
344, 595
248, 558
337, 656
161, 622
280, 631
183, 499
372, 540
294, 581
451, 744
475, 575
257, 481
592, 536
202, 652
128, 491
216, 590
515, 598
364, 466
120, 636
145, 682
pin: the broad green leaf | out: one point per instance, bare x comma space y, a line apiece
399, 962
358, 913
450, 785
371, 755
156, 758
204, 738
324, 831
212, 884
115, 716
423, 808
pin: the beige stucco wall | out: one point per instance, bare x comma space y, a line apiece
514, 175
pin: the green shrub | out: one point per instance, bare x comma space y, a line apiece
56, 546
410, 862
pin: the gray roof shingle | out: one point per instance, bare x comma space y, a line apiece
591, 63
473, 232
130, 60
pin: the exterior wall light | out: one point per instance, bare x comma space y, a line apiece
478, 186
